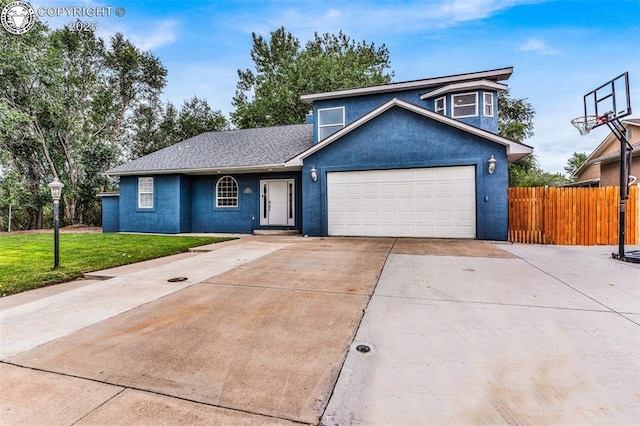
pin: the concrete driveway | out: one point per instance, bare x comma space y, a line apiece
535, 335
459, 331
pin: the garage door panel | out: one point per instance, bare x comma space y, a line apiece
432, 202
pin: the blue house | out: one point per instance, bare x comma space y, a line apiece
412, 159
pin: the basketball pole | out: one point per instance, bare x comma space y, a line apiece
618, 129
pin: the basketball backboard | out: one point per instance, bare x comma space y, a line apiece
610, 101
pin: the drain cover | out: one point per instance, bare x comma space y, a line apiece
363, 349
177, 279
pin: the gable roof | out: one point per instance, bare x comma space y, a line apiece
235, 150
515, 150
491, 75
597, 156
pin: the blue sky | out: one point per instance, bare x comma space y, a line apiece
560, 49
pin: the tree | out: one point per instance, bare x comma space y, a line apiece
515, 122
284, 70
515, 117
135, 78
574, 162
155, 127
196, 117
64, 103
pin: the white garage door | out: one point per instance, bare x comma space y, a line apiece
438, 202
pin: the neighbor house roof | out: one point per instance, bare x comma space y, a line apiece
515, 150
597, 156
235, 150
490, 75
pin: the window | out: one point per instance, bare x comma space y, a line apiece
145, 193
227, 192
629, 133
488, 105
465, 105
330, 120
441, 105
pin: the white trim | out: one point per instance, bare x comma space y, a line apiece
497, 74
468, 85
453, 105
444, 105
237, 197
515, 150
152, 180
485, 104
324, 126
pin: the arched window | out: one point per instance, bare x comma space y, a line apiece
227, 192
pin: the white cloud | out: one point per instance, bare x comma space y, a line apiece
537, 45
366, 17
161, 34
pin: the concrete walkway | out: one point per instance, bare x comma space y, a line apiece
265, 331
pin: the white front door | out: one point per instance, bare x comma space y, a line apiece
277, 202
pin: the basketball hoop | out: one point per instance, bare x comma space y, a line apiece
585, 123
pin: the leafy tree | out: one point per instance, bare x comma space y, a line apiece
196, 117
64, 104
156, 127
135, 77
574, 162
515, 122
284, 70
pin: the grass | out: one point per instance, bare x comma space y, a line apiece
26, 260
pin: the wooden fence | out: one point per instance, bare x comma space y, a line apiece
571, 216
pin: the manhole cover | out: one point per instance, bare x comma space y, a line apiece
177, 279
363, 349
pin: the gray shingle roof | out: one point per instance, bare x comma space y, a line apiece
235, 148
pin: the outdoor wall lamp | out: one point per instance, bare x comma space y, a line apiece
314, 174
492, 165
56, 191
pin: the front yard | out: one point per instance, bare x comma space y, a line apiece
26, 260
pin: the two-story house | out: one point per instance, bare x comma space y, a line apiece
413, 159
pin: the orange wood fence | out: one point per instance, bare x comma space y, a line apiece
571, 216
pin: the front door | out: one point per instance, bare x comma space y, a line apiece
277, 207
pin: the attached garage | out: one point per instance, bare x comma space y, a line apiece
436, 202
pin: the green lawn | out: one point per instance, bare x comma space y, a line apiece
26, 260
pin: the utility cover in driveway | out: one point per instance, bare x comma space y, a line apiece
437, 202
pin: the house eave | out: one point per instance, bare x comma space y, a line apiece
497, 75
267, 168
515, 150
468, 85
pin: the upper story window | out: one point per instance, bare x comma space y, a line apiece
464, 105
227, 192
330, 120
145, 192
441, 105
488, 105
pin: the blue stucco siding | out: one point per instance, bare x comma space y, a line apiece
111, 213
166, 216
358, 106
401, 139
244, 218
185, 203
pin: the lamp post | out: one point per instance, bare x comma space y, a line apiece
56, 191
